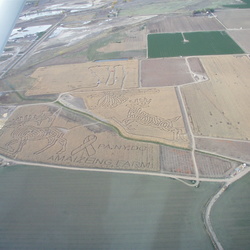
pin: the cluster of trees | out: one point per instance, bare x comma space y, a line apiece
203, 11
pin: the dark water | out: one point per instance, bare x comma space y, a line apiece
9, 13
42, 208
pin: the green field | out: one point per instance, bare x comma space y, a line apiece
199, 43
43, 208
230, 216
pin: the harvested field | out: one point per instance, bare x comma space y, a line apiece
192, 43
242, 38
171, 24
219, 107
84, 76
139, 114
176, 161
230, 216
234, 19
234, 149
210, 166
164, 72
48, 134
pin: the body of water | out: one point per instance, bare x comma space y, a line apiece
43, 208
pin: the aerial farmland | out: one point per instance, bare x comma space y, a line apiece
120, 105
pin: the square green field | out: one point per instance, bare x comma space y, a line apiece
191, 44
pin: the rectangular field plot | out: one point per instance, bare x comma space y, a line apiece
170, 24
164, 72
210, 166
220, 106
229, 148
242, 38
234, 19
176, 161
193, 43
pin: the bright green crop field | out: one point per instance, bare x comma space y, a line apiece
196, 43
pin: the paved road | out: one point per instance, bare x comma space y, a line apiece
32, 47
190, 132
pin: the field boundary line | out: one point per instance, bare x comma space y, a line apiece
156, 174
220, 138
192, 140
219, 21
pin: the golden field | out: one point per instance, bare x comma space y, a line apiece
220, 107
145, 114
85, 77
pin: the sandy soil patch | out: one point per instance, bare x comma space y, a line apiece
235, 149
219, 107
164, 72
168, 24
84, 76
48, 134
152, 114
241, 37
234, 19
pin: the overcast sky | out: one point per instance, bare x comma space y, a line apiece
9, 12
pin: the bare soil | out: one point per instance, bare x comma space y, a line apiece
176, 161
234, 19
164, 72
235, 149
172, 24
210, 166
196, 65
242, 38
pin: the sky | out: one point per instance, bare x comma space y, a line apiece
9, 12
